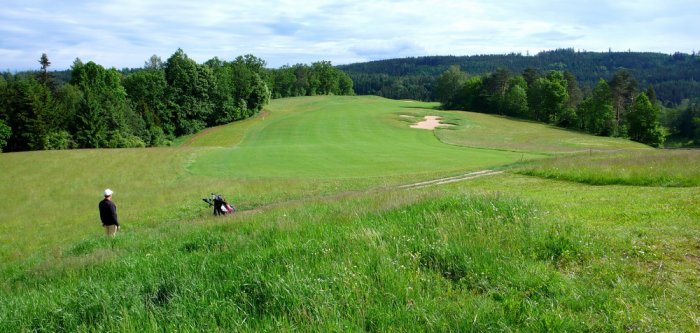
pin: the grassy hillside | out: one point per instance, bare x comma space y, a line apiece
342, 137
636, 167
325, 240
494, 132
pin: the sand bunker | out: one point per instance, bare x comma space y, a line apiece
429, 123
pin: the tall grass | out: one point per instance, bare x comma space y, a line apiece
643, 168
49, 199
456, 263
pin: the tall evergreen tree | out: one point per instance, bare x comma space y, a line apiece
495, 86
103, 113
530, 75
624, 88
27, 107
573, 89
45, 77
651, 93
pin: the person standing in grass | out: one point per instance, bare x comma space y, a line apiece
108, 214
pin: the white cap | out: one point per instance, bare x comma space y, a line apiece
108, 192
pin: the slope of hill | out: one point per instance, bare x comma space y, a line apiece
312, 145
325, 238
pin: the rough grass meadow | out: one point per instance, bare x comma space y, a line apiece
326, 240
629, 167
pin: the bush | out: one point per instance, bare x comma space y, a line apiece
5, 133
121, 140
59, 140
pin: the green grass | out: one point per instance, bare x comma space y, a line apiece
459, 258
225, 135
350, 137
497, 132
325, 241
644, 168
644, 242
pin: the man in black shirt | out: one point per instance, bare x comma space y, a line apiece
108, 214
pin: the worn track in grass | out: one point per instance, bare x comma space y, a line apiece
438, 181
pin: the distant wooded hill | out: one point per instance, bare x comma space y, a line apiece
674, 77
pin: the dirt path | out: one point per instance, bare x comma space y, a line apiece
438, 181
453, 179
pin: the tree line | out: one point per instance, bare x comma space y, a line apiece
675, 77
615, 108
96, 107
321, 78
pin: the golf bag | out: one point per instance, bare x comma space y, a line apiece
221, 207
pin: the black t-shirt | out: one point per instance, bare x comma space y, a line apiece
108, 212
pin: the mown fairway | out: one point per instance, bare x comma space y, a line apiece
342, 137
326, 241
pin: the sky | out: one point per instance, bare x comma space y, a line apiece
126, 33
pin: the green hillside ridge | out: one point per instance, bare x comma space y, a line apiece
674, 76
325, 240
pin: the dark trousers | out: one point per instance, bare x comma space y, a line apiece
217, 207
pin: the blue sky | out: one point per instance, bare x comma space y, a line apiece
125, 33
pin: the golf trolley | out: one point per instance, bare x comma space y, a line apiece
221, 207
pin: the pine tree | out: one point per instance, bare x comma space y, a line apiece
624, 88
44, 76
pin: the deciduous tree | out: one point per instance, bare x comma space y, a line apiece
643, 121
449, 85
515, 99
596, 114
188, 94
146, 92
548, 99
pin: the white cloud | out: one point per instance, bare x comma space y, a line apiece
125, 33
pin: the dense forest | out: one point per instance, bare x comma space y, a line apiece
90, 106
674, 77
480, 83
616, 108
